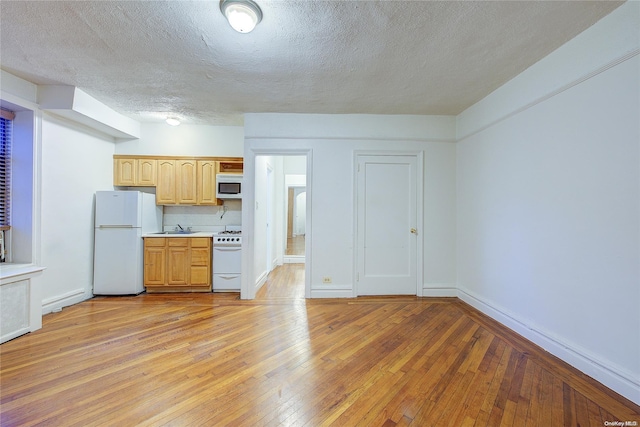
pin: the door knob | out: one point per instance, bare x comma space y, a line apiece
414, 231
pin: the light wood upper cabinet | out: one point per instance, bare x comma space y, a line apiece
178, 180
206, 182
147, 170
186, 182
166, 183
124, 172
194, 183
131, 172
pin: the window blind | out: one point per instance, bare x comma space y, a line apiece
5, 171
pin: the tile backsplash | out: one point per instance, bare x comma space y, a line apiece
203, 218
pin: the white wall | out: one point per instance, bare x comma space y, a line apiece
295, 165
76, 162
203, 218
185, 140
267, 228
259, 206
70, 162
333, 140
548, 203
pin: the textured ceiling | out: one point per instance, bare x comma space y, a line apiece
148, 59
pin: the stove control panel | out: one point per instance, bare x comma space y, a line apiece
225, 239
228, 238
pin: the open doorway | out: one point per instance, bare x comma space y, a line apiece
280, 220
296, 221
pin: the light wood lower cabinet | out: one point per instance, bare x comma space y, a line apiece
200, 266
155, 262
177, 264
178, 261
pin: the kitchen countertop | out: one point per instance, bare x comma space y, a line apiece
194, 234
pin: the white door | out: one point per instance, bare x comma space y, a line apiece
300, 209
386, 225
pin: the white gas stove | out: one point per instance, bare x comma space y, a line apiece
227, 259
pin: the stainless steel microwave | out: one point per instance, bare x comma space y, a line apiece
229, 186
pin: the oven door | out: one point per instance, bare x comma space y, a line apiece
227, 259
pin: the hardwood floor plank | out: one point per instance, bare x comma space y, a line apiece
212, 359
494, 387
556, 408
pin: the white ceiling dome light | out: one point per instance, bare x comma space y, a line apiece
173, 121
243, 15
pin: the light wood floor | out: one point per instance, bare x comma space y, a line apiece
213, 360
295, 245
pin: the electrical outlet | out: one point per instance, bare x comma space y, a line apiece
326, 279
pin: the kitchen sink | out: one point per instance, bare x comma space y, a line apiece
176, 232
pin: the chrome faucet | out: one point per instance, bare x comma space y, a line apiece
180, 229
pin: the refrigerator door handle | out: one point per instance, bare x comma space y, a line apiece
115, 226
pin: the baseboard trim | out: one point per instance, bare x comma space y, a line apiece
58, 302
332, 292
439, 291
261, 280
615, 378
14, 334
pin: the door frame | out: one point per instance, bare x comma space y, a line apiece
419, 156
248, 285
270, 227
287, 259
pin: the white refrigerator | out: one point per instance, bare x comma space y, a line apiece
122, 218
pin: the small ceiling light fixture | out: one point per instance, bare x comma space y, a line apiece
172, 121
243, 15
